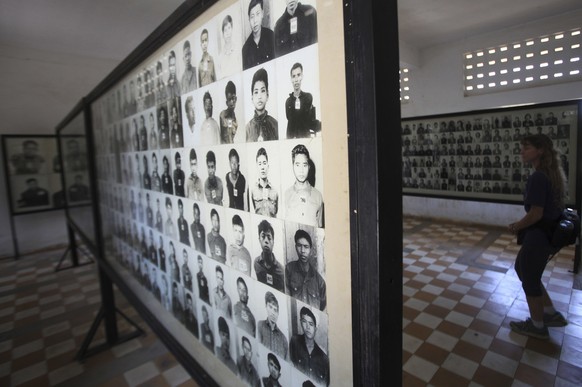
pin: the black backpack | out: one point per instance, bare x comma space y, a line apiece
567, 230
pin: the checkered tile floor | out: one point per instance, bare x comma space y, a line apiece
44, 317
461, 292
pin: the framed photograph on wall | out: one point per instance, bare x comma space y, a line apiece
476, 155
33, 173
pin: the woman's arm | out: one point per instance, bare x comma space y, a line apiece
534, 214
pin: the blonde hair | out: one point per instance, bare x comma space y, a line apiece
550, 165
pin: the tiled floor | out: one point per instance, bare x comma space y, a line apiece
44, 317
460, 292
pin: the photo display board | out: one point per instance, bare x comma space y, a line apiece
72, 139
222, 179
33, 173
477, 155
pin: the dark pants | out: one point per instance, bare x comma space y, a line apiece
531, 261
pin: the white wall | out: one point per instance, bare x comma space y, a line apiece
35, 103
436, 82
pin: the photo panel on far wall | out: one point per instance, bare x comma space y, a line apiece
477, 155
33, 173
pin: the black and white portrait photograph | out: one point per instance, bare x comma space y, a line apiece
228, 29
206, 130
202, 277
187, 72
238, 234
175, 123
207, 331
265, 196
197, 226
30, 192
217, 168
169, 217
225, 344
301, 166
165, 173
190, 113
216, 223
29, 155
78, 190
184, 220
163, 125
236, 179
205, 42
305, 265
295, 25
259, 38
161, 74
309, 329
243, 309
261, 104
298, 92
223, 291
191, 314
273, 369
230, 104
173, 88
272, 316
268, 251
247, 359
74, 154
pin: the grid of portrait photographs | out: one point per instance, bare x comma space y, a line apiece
209, 160
479, 155
33, 173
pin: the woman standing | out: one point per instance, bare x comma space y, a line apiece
543, 202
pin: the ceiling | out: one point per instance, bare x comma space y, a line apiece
426, 23
93, 28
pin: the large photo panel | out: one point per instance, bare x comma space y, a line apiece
213, 173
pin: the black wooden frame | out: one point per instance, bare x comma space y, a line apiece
372, 64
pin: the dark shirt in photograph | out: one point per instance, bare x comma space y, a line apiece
203, 287
308, 287
217, 246
254, 54
179, 181
247, 372
207, 336
300, 115
262, 127
236, 191
314, 364
183, 231
199, 237
297, 31
191, 323
244, 318
167, 185
270, 274
273, 338
34, 197
224, 355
